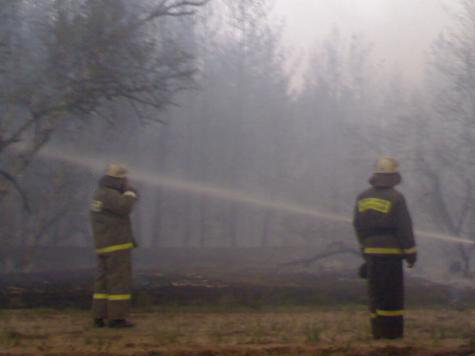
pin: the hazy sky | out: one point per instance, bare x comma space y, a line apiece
401, 30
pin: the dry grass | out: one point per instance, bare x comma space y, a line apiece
342, 331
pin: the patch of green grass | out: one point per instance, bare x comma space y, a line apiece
313, 333
10, 338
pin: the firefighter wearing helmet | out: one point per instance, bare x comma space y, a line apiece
110, 209
384, 230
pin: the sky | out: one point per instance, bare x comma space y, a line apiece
401, 31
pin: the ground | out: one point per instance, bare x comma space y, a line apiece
208, 331
228, 305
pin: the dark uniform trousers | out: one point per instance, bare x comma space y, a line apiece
386, 296
113, 285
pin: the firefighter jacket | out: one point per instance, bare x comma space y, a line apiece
110, 219
382, 221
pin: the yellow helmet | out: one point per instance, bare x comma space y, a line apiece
386, 164
116, 170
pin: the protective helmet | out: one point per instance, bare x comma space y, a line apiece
386, 164
116, 170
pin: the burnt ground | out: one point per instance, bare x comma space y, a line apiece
226, 304
254, 278
73, 289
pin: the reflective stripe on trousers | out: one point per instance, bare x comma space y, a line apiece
115, 248
388, 250
111, 297
387, 313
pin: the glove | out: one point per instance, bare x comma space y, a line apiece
411, 260
132, 191
363, 271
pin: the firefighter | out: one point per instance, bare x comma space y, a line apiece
110, 209
384, 230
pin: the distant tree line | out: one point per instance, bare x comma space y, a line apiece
203, 92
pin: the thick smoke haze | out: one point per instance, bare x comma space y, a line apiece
402, 33
238, 109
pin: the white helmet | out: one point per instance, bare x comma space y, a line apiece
386, 164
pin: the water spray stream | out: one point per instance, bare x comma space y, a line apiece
97, 165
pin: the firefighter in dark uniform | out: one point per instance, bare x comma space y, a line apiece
110, 209
384, 229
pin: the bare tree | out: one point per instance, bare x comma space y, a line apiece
446, 154
84, 54
65, 65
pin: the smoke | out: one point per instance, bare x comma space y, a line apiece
98, 164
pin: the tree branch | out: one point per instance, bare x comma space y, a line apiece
466, 205
307, 261
24, 198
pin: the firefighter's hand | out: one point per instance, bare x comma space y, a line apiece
411, 260
132, 191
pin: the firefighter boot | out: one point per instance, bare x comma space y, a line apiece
392, 328
376, 328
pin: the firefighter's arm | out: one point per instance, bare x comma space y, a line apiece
129, 189
357, 227
120, 203
406, 233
